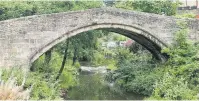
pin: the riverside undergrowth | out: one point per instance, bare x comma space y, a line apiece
42, 80
167, 80
181, 70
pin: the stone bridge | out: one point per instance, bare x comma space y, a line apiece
23, 40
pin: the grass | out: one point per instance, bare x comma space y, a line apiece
9, 90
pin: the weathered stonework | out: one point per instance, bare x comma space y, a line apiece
23, 40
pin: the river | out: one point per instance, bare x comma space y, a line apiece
92, 86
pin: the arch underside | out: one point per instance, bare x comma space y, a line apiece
145, 42
141, 36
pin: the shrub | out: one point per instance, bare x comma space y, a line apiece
172, 88
10, 90
112, 66
67, 79
98, 58
77, 65
182, 70
46, 87
186, 15
137, 77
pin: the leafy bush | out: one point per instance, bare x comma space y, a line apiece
98, 58
15, 9
67, 80
186, 15
177, 79
46, 87
172, 88
11, 90
135, 77
112, 66
134, 72
43, 85
77, 65
153, 6
101, 60
182, 70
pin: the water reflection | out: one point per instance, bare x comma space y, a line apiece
93, 87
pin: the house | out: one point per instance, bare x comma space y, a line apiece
128, 43
121, 43
188, 4
111, 44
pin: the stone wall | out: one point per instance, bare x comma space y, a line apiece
23, 40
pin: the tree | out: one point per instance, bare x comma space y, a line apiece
48, 56
64, 59
154, 6
15, 9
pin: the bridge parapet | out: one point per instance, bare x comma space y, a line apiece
23, 40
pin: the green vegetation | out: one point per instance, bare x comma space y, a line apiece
46, 75
45, 69
167, 81
42, 78
166, 7
134, 73
15, 9
180, 70
186, 15
9, 88
132, 70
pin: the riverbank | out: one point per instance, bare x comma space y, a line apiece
93, 86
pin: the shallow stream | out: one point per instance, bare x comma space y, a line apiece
92, 86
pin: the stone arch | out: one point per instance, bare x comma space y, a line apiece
24, 39
142, 36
